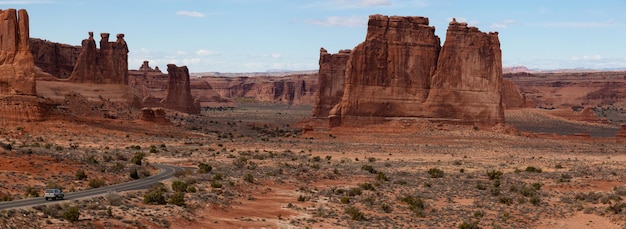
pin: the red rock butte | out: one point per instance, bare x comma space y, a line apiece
18, 93
178, 95
401, 71
107, 65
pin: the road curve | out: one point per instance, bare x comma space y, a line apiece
166, 173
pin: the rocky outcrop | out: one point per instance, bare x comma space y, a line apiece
331, 80
145, 67
468, 81
54, 58
107, 65
18, 94
512, 98
400, 70
154, 114
178, 95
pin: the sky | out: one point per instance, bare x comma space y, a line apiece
262, 35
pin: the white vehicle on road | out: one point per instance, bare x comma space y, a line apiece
54, 194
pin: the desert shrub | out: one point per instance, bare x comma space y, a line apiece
179, 186
178, 198
137, 158
435, 173
301, 198
380, 176
535, 200
155, 195
92, 160
153, 149
366, 186
616, 208
31, 192
415, 204
204, 168
80, 174
368, 168
191, 189
564, 178
118, 166
620, 190
493, 174
96, 183
536, 186
240, 161
355, 213
532, 169
218, 176
134, 174
345, 200
71, 214
505, 200
354, 191
114, 198
481, 186
470, 225
6, 146
249, 178
386, 208
216, 184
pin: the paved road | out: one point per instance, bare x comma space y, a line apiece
166, 173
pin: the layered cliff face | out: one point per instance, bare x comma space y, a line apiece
400, 70
467, 84
107, 65
291, 89
18, 94
331, 80
54, 58
178, 95
389, 73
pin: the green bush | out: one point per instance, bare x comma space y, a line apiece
71, 214
435, 173
134, 174
532, 169
355, 213
380, 176
96, 183
249, 178
345, 200
179, 186
137, 158
31, 192
368, 168
81, 175
178, 199
415, 204
204, 168
155, 195
493, 174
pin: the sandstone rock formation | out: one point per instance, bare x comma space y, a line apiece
154, 114
18, 95
107, 65
512, 98
145, 67
54, 58
179, 96
468, 81
400, 70
331, 80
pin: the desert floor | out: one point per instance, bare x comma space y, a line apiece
260, 170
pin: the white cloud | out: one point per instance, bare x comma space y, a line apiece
204, 52
368, 3
502, 24
190, 13
336, 21
586, 57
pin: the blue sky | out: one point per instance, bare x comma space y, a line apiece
259, 35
